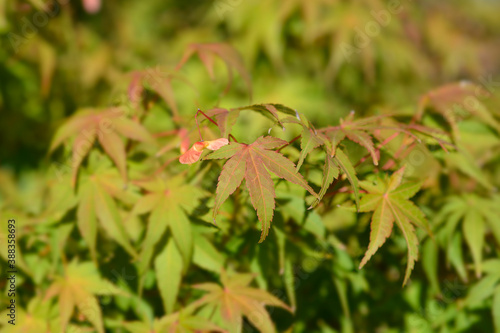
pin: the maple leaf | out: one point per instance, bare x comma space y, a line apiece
330, 172
478, 216
39, 316
158, 80
193, 154
78, 287
225, 119
235, 299
454, 101
168, 203
207, 51
96, 204
89, 124
356, 131
269, 111
265, 38
311, 139
390, 202
311, 10
487, 287
252, 162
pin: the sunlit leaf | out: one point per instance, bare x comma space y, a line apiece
392, 205
252, 163
78, 287
168, 202
88, 124
236, 299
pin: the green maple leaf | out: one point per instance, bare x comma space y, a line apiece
168, 203
253, 162
390, 202
478, 216
78, 287
168, 267
310, 137
330, 172
97, 206
266, 38
487, 287
235, 299
39, 316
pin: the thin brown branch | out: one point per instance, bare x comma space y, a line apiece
290, 142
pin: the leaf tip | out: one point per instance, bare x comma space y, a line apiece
364, 260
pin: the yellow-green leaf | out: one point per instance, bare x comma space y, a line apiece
168, 268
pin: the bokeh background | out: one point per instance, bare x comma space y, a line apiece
321, 57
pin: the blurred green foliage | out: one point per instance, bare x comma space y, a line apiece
434, 63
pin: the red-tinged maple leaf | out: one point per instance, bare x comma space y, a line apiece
107, 126
225, 119
455, 101
390, 202
78, 287
358, 131
194, 153
253, 162
228, 54
235, 299
160, 81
